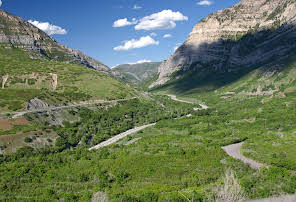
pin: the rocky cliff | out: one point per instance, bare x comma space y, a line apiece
16, 32
250, 33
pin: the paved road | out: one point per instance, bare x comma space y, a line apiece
287, 198
120, 136
174, 97
234, 151
19, 114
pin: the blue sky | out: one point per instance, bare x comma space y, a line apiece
91, 26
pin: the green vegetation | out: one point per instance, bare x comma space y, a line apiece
31, 78
176, 158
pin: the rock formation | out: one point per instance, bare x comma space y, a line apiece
36, 104
4, 80
54, 81
251, 32
16, 32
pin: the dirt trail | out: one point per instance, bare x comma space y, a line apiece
234, 151
120, 136
19, 114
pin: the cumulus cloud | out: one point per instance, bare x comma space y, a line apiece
136, 7
139, 62
165, 19
205, 3
167, 36
48, 28
0, 3
136, 43
124, 22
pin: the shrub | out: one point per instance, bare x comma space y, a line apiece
28, 140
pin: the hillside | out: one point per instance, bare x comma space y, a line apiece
218, 124
136, 74
26, 78
227, 45
18, 33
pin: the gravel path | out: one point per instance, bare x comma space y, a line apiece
120, 136
234, 151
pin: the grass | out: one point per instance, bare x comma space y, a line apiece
176, 158
30, 78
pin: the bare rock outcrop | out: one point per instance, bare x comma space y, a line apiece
36, 104
4, 80
250, 33
54, 81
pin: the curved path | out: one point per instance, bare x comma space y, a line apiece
120, 136
19, 114
234, 151
174, 97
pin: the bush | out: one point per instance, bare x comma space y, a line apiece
28, 140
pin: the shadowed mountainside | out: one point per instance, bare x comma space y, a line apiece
244, 36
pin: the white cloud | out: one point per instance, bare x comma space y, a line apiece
205, 3
139, 62
167, 36
153, 34
124, 22
48, 28
0, 3
136, 7
134, 43
165, 19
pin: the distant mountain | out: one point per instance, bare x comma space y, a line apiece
228, 44
18, 33
136, 73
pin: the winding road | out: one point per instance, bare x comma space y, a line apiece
174, 97
234, 151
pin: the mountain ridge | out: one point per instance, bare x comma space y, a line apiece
19, 33
249, 33
136, 74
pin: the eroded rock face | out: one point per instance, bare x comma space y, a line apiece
251, 32
36, 104
16, 32
54, 81
4, 80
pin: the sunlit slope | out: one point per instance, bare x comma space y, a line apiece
28, 78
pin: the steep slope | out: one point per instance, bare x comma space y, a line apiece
18, 33
228, 44
136, 73
54, 82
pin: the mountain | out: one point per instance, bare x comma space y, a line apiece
136, 73
33, 65
18, 33
228, 44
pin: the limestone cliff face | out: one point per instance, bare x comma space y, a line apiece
16, 32
251, 32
